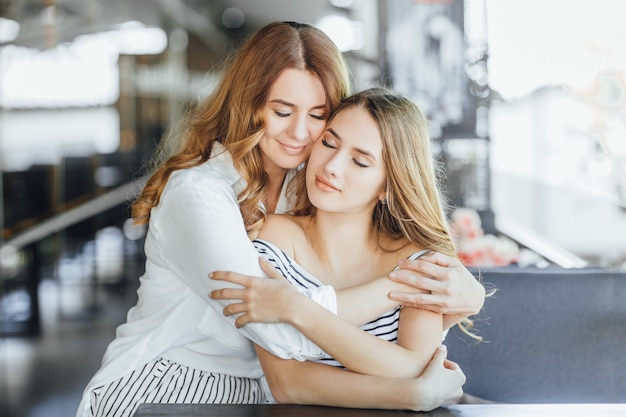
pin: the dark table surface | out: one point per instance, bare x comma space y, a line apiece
461, 410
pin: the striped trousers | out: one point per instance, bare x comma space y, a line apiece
164, 381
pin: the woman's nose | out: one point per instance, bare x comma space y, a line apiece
332, 167
299, 128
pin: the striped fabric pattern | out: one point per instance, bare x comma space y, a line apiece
164, 381
385, 327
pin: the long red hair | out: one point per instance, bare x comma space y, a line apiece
232, 114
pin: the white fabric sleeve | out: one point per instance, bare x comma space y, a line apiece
201, 230
325, 296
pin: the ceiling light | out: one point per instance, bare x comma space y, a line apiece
8, 30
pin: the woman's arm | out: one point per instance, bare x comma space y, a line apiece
199, 228
276, 300
440, 284
447, 287
363, 303
361, 352
314, 383
420, 332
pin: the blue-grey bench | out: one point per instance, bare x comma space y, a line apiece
553, 335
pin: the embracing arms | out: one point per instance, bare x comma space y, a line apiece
297, 382
276, 300
199, 228
404, 387
204, 232
434, 282
447, 287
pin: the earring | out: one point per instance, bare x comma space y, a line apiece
384, 201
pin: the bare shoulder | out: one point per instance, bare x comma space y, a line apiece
401, 249
284, 231
280, 223
412, 252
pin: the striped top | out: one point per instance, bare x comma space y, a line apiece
385, 327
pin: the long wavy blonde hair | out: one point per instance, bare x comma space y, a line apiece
415, 208
232, 114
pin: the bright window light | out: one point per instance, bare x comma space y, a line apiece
82, 73
347, 34
66, 76
134, 38
8, 30
571, 41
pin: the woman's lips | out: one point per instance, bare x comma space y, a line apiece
325, 185
293, 149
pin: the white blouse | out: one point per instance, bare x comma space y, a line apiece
195, 229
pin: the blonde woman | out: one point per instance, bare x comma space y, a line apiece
368, 197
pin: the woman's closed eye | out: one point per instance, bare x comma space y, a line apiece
282, 114
321, 117
328, 144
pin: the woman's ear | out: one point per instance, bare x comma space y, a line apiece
383, 198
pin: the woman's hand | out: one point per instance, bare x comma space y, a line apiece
450, 288
441, 382
260, 300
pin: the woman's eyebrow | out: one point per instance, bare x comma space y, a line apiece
365, 152
359, 150
332, 132
281, 101
289, 104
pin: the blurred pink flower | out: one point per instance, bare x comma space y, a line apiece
474, 247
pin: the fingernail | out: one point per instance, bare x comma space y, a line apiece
443, 348
393, 275
210, 274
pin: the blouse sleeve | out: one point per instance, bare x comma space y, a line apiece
201, 230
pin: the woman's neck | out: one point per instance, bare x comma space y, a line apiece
274, 187
344, 247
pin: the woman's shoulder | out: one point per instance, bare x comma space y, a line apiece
404, 249
197, 179
218, 167
218, 172
194, 187
412, 252
277, 225
393, 255
284, 231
